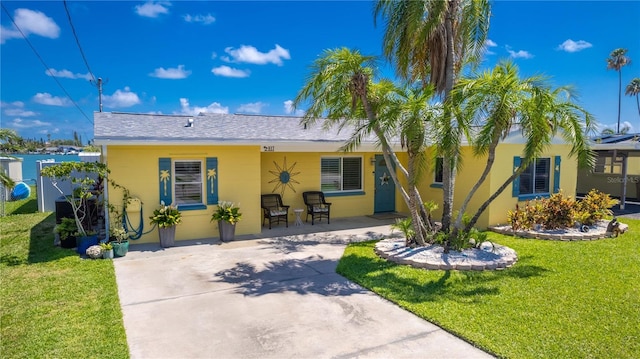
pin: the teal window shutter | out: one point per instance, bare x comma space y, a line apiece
515, 190
556, 174
212, 180
165, 180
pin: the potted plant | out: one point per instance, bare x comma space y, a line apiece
166, 217
227, 215
66, 231
86, 181
107, 250
119, 239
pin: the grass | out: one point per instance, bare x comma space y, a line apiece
560, 300
54, 304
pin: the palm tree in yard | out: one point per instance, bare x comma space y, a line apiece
616, 60
431, 41
341, 89
633, 89
498, 102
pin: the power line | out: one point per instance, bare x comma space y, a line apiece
75, 35
44, 63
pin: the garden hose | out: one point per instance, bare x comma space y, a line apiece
138, 232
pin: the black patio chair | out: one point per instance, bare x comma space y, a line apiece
317, 207
273, 209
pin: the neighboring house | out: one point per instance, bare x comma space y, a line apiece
196, 161
617, 168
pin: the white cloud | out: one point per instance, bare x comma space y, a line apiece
45, 98
20, 123
214, 107
254, 107
153, 8
204, 19
250, 54
121, 98
30, 22
520, 54
488, 44
171, 73
227, 71
574, 46
68, 74
16, 108
288, 108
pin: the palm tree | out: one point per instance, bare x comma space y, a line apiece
341, 89
431, 41
616, 60
633, 89
499, 101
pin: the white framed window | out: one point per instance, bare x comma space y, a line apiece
341, 174
536, 177
188, 184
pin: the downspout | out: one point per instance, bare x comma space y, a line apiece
107, 217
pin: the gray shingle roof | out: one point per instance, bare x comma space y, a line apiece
209, 128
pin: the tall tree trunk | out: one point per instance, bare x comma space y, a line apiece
619, 96
388, 153
495, 195
491, 156
449, 158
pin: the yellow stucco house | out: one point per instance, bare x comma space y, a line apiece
195, 161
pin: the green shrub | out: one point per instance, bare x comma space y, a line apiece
557, 211
594, 206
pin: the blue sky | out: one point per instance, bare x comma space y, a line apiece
184, 57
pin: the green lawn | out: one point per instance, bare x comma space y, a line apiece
53, 303
560, 300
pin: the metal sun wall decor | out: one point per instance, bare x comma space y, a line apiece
284, 177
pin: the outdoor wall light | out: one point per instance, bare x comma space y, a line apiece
373, 161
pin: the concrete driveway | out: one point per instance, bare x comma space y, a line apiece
276, 297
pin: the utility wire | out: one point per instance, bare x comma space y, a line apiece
73, 30
44, 63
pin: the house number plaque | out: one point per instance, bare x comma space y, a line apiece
268, 148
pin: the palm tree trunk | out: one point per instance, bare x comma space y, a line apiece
619, 96
491, 156
449, 160
387, 153
495, 195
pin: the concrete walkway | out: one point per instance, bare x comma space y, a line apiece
271, 297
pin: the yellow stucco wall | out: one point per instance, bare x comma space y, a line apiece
504, 155
472, 168
305, 170
136, 168
244, 172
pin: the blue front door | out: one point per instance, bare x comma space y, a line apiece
385, 196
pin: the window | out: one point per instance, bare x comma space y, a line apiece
607, 164
341, 174
535, 178
437, 178
188, 182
